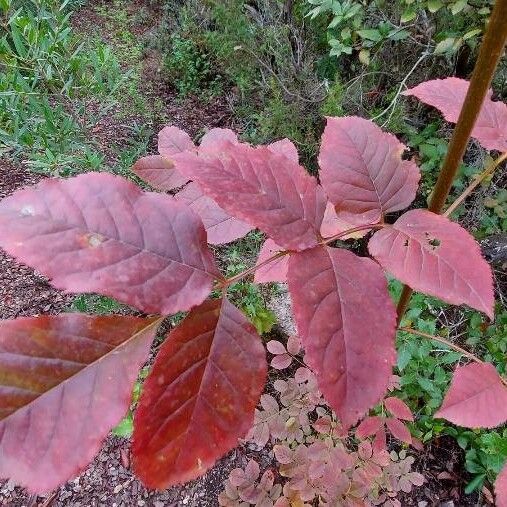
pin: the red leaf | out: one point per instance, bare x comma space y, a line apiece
379, 442
66, 380
293, 345
275, 271
433, 255
285, 148
200, 396
346, 321
221, 227
276, 347
100, 233
398, 430
173, 140
362, 170
398, 408
212, 140
159, 172
477, 397
281, 361
417, 444
332, 225
448, 96
501, 488
264, 188
369, 426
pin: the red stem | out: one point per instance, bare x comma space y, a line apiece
227, 282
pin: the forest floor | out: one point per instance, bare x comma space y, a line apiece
108, 480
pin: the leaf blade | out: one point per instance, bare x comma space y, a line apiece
159, 172
261, 187
275, 271
448, 96
198, 392
477, 398
433, 255
362, 170
172, 140
107, 236
352, 353
220, 226
61, 398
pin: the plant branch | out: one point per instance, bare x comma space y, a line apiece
249, 271
448, 343
489, 54
223, 284
476, 182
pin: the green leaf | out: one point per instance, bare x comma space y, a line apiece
426, 384
125, 427
434, 5
398, 34
18, 41
445, 45
404, 357
370, 34
263, 320
409, 14
472, 33
458, 6
475, 484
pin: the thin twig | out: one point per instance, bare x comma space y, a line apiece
221, 284
449, 344
282, 86
392, 104
251, 270
476, 182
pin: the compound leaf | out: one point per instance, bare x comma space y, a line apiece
173, 140
398, 430
213, 139
346, 321
332, 224
362, 170
65, 381
448, 96
100, 233
369, 426
433, 255
501, 488
159, 172
285, 148
477, 397
261, 187
200, 397
221, 227
398, 408
275, 271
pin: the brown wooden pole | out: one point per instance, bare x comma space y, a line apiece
490, 52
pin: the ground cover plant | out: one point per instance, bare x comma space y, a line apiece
53, 88
71, 382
